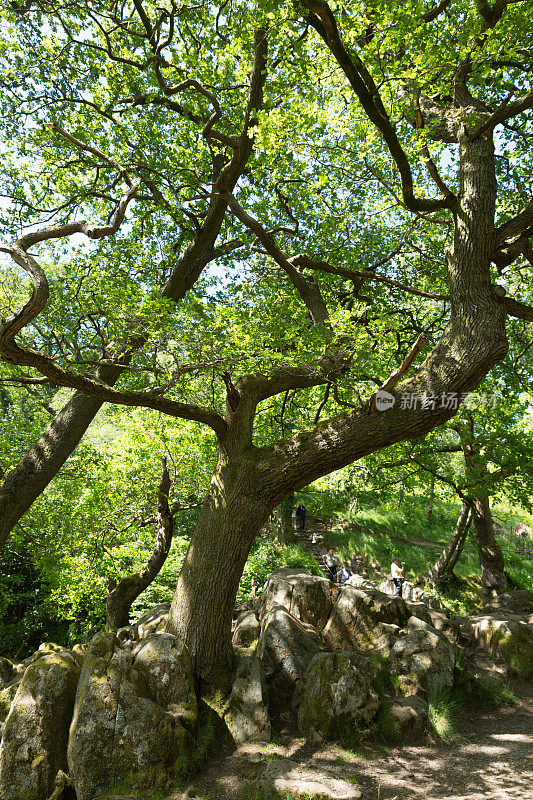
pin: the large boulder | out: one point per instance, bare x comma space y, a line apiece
449, 627
336, 695
247, 629
307, 597
508, 635
245, 713
355, 617
35, 733
423, 661
286, 648
132, 714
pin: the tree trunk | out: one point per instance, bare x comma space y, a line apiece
285, 530
234, 511
442, 572
431, 498
23, 485
478, 480
121, 596
493, 578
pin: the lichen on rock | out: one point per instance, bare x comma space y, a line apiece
35, 733
336, 695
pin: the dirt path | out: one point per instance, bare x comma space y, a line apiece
492, 761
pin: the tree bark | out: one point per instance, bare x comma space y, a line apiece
442, 571
23, 485
121, 596
431, 498
491, 560
493, 578
285, 531
234, 511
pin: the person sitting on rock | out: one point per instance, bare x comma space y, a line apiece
344, 573
330, 564
396, 576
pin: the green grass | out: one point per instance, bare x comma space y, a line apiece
345, 755
490, 692
442, 715
381, 534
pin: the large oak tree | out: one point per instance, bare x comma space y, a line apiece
283, 197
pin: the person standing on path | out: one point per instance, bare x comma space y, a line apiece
330, 564
397, 575
300, 513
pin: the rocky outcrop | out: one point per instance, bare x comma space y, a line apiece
508, 635
423, 661
385, 636
245, 713
35, 734
307, 597
133, 712
413, 593
247, 629
336, 695
286, 648
356, 615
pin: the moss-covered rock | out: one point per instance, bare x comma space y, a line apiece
7, 695
409, 717
508, 635
423, 661
132, 713
154, 621
356, 615
336, 695
35, 734
247, 629
519, 602
245, 712
307, 597
286, 647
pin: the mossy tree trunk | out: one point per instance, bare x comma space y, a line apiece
491, 559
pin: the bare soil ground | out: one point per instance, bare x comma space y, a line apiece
492, 760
